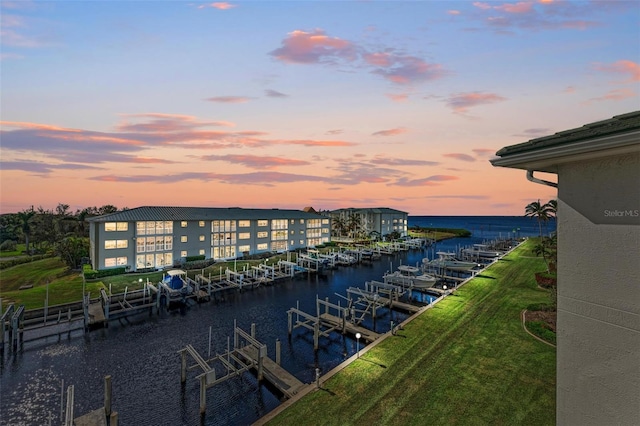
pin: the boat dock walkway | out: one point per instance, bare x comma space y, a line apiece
247, 353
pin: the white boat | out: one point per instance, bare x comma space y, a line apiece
447, 260
480, 250
410, 276
176, 284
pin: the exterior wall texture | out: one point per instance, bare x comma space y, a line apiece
598, 325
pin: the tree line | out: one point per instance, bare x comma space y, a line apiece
58, 231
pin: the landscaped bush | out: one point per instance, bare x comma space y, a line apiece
20, 260
91, 274
8, 245
542, 330
194, 258
545, 307
199, 264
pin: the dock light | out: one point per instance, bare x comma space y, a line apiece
358, 336
444, 287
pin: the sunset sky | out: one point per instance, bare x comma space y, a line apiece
262, 104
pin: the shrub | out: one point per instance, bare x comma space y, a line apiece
20, 260
8, 245
194, 258
541, 330
91, 274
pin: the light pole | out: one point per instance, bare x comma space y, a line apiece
358, 336
444, 287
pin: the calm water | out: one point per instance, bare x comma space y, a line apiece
141, 354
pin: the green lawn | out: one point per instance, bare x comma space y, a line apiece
467, 361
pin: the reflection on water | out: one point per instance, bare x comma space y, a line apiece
141, 355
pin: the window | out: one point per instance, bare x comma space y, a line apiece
140, 244
112, 244
279, 224
301, 221
263, 234
242, 249
201, 252
201, 224
279, 246
151, 244
110, 262
279, 235
244, 236
201, 238
183, 238
159, 243
183, 253
314, 223
293, 221
325, 221
183, 224
263, 246
301, 242
116, 226
263, 223
244, 223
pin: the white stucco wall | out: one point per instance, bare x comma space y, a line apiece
598, 354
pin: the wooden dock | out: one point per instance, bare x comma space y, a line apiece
348, 327
247, 353
284, 381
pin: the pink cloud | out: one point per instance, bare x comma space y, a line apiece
534, 16
255, 161
625, 67
410, 69
458, 156
167, 123
428, 181
483, 152
390, 132
387, 161
461, 102
313, 47
397, 97
304, 47
218, 5
380, 59
614, 95
520, 7
453, 12
229, 99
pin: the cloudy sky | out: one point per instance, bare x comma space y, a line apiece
264, 104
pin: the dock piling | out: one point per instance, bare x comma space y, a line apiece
107, 396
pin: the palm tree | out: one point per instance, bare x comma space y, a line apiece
24, 218
354, 223
542, 212
339, 225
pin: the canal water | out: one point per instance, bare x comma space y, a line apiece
141, 354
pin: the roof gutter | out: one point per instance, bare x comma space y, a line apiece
533, 179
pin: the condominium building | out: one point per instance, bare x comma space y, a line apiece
367, 221
158, 237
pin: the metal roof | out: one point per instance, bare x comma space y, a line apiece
201, 213
382, 210
618, 124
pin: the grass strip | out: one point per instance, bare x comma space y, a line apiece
466, 361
